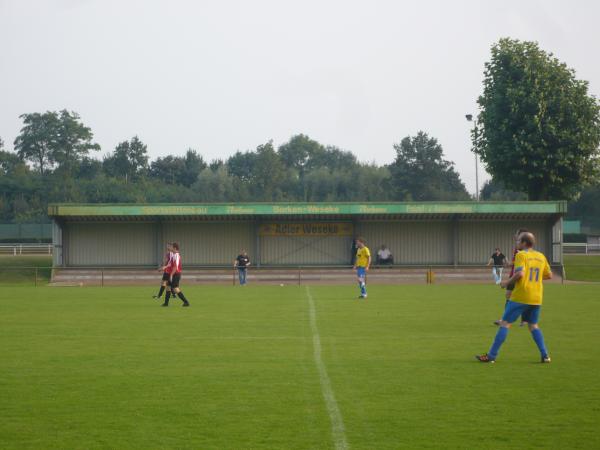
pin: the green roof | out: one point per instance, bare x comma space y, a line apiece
302, 209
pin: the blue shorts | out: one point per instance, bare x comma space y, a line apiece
529, 313
361, 272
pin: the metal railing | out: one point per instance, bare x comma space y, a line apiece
580, 248
297, 275
18, 249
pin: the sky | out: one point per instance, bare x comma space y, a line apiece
221, 76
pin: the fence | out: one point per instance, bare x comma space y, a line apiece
40, 232
580, 248
291, 275
18, 249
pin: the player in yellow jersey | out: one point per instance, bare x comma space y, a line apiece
361, 265
531, 268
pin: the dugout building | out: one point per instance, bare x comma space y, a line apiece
289, 234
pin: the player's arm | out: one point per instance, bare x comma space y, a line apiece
519, 271
368, 262
547, 274
490, 262
235, 263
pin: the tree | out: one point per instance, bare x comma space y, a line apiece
38, 139
241, 165
73, 140
268, 174
167, 169
54, 138
538, 128
496, 191
421, 173
129, 160
193, 165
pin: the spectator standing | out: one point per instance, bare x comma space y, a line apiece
241, 263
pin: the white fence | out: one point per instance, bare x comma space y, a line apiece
25, 249
580, 248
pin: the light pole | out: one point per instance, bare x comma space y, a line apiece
469, 117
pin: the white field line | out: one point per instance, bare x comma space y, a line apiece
338, 430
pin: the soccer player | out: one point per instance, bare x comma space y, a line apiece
499, 261
174, 269
511, 286
361, 265
241, 263
531, 268
166, 277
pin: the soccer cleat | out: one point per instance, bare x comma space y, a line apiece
165, 304
546, 359
484, 358
155, 297
186, 304
497, 322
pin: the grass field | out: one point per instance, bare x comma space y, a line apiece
582, 267
91, 368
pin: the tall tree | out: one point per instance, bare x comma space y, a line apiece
37, 140
539, 129
193, 165
421, 173
129, 160
54, 138
73, 140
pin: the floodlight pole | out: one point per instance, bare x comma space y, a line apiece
469, 118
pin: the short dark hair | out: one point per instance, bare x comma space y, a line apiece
175, 245
528, 239
361, 239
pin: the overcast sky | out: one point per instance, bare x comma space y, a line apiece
221, 76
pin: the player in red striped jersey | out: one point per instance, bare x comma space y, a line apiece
174, 267
166, 277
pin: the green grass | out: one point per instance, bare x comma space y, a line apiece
91, 368
21, 270
582, 267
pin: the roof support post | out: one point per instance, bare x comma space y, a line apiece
158, 236
455, 240
257, 242
57, 243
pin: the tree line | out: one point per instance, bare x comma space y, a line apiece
537, 133
54, 160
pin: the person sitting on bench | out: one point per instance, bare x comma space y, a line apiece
384, 256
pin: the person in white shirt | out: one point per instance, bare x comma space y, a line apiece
384, 256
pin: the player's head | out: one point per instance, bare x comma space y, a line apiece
243, 252
360, 241
175, 246
169, 246
497, 249
526, 240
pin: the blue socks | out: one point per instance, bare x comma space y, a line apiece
498, 341
363, 288
538, 337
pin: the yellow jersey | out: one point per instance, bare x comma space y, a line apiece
362, 257
529, 289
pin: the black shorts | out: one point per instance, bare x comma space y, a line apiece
166, 277
175, 280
